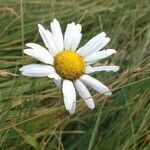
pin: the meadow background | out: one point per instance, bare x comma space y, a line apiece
32, 113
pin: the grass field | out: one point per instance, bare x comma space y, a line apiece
32, 113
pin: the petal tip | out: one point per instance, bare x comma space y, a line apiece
117, 68
39, 25
103, 33
55, 20
21, 69
27, 44
108, 93
114, 51
92, 107
108, 39
71, 112
26, 51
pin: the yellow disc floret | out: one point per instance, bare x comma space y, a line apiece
69, 65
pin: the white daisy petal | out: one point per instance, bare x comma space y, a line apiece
78, 28
57, 33
95, 84
84, 93
95, 44
68, 93
76, 37
53, 48
54, 75
95, 56
98, 45
96, 38
68, 36
35, 46
90, 69
72, 36
102, 44
43, 34
72, 111
58, 81
48, 40
75, 41
37, 70
106, 68
39, 53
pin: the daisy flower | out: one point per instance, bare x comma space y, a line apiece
68, 66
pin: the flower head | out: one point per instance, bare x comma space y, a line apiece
67, 65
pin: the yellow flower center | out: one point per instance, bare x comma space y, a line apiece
69, 65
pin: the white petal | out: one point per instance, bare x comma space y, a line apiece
95, 84
106, 68
75, 41
76, 37
102, 44
68, 36
40, 53
72, 36
42, 33
35, 46
78, 27
48, 40
51, 42
95, 44
95, 56
68, 93
57, 33
96, 38
84, 93
54, 75
37, 70
72, 111
58, 81
89, 69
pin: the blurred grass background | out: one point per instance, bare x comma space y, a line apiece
32, 113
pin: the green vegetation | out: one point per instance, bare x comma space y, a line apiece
32, 113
